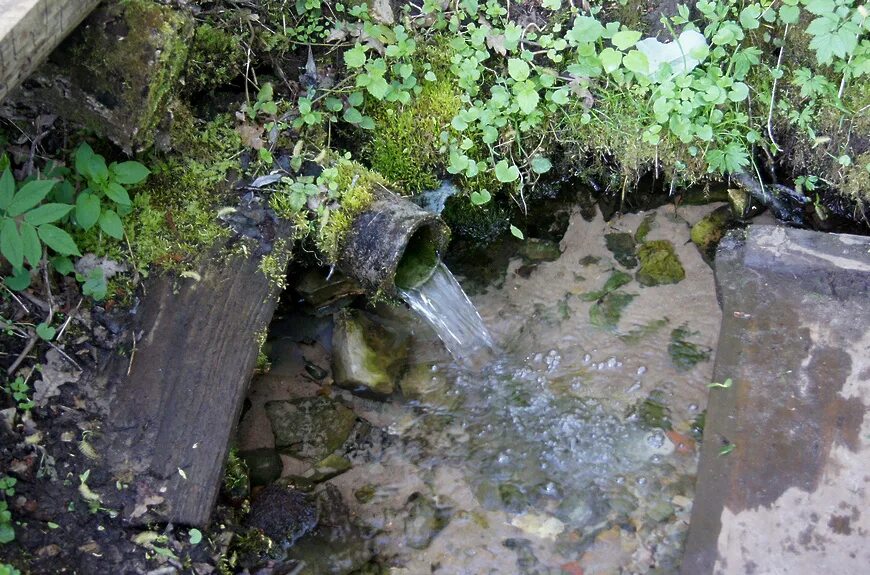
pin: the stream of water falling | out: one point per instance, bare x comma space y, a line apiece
444, 305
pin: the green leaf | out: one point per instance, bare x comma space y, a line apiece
481, 197
518, 69
352, 116
367, 123
506, 173
58, 240
378, 87
517, 233
749, 17
29, 195
821, 7
195, 536
19, 280
355, 57
88, 207
636, 62
31, 244
527, 96
82, 159
7, 533
95, 284
541, 165
110, 223
739, 92
45, 331
7, 188
625, 39
560, 96
97, 168
129, 173
585, 29
47, 213
611, 59
789, 14
355, 99
11, 245
118, 194
62, 265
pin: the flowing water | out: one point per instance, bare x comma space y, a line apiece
442, 303
566, 448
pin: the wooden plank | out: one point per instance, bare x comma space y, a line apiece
791, 496
170, 419
30, 30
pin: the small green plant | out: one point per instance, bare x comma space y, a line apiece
20, 392
6, 569
7, 489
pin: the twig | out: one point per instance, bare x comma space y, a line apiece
68, 320
17, 363
773, 89
63, 353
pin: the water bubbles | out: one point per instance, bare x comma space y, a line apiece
641, 480
635, 387
693, 407
656, 439
587, 359
612, 362
641, 370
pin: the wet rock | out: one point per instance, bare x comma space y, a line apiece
283, 514
331, 466
536, 250
660, 511
512, 497
366, 493
366, 355
527, 563
326, 296
623, 247
311, 427
683, 352
607, 311
425, 383
264, 465
543, 526
337, 546
707, 232
424, 520
659, 264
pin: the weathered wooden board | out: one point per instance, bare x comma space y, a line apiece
792, 494
30, 30
175, 405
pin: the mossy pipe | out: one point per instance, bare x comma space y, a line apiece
392, 243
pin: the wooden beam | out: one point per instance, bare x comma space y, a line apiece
176, 394
30, 30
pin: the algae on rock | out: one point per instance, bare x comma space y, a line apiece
659, 264
366, 356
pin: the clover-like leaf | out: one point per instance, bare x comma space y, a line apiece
505, 172
518, 69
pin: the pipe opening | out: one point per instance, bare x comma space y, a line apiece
420, 258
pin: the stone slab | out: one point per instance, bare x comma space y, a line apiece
793, 495
30, 30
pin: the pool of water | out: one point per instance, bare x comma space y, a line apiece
563, 445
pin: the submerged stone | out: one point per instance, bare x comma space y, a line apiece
426, 384
623, 247
707, 232
536, 250
659, 264
684, 353
424, 521
264, 465
283, 514
366, 355
310, 427
607, 311
331, 466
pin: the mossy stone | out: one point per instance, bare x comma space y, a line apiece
710, 229
608, 310
535, 250
311, 427
264, 465
659, 264
622, 247
366, 356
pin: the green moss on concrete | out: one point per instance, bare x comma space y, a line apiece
659, 264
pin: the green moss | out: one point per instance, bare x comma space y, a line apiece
406, 147
659, 264
710, 229
653, 412
274, 266
174, 216
356, 186
608, 310
235, 481
216, 58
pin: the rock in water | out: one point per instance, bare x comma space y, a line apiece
283, 514
424, 521
707, 232
366, 356
264, 465
659, 264
311, 427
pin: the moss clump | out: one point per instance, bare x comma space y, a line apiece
653, 412
355, 186
707, 232
274, 266
174, 214
659, 264
216, 58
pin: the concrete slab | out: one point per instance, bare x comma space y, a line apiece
793, 494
